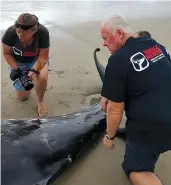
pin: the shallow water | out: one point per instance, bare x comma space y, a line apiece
52, 13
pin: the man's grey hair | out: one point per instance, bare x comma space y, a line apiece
116, 22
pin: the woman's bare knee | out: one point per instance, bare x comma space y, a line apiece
22, 95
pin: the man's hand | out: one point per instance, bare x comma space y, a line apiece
108, 143
104, 102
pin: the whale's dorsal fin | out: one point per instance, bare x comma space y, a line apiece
100, 68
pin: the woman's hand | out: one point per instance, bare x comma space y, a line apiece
31, 74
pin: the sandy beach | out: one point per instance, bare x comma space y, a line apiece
73, 74
73, 77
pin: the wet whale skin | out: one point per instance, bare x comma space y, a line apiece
36, 152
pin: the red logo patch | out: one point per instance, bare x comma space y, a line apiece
152, 52
29, 54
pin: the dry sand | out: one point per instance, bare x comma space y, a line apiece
73, 77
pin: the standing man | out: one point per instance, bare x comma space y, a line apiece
137, 80
26, 45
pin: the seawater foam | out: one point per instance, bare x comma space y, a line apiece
51, 13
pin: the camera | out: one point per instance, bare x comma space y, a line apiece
22, 74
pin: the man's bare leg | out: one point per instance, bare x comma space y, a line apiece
40, 83
144, 178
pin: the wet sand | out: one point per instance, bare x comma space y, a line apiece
72, 79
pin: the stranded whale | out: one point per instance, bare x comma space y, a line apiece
37, 152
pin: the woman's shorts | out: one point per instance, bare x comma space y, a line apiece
17, 84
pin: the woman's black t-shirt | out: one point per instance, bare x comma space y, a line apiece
28, 54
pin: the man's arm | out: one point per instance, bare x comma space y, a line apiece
114, 90
114, 117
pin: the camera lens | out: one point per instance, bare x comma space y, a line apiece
26, 82
28, 86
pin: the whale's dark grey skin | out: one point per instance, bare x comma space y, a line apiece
121, 132
36, 152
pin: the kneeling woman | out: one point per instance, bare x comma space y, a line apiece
26, 43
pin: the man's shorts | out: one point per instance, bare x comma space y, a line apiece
17, 84
141, 157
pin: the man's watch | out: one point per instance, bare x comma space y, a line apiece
108, 137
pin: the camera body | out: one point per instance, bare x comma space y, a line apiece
22, 74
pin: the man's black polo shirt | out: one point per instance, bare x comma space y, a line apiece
139, 74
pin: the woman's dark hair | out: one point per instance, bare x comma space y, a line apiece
144, 34
26, 21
